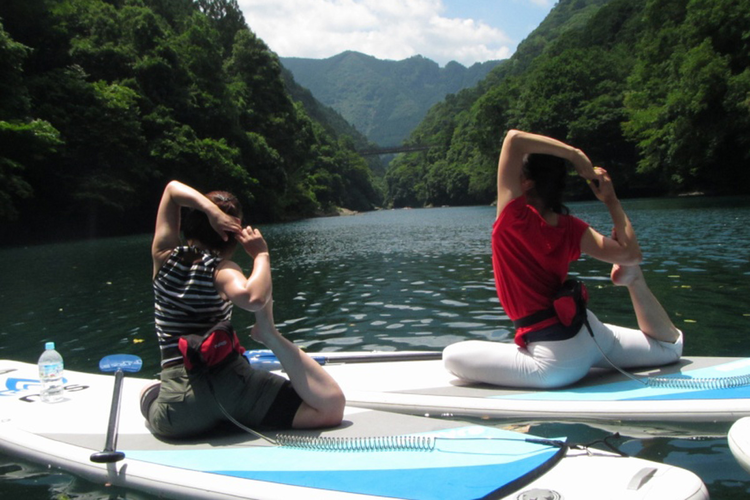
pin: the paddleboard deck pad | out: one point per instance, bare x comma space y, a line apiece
427, 388
368, 460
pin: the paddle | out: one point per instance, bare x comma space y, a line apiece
265, 358
118, 363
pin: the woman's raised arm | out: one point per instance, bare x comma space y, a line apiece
518, 144
167, 231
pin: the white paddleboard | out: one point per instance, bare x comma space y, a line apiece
427, 388
463, 461
739, 442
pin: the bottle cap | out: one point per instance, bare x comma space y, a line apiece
49, 345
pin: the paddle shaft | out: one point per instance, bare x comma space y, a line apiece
109, 454
323, 358
379, 357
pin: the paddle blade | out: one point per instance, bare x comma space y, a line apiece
265, 359
125, 362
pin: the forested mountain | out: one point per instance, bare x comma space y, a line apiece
103, 101
384, 100
657, 91
333, 123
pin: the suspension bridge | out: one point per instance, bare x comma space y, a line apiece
393, 150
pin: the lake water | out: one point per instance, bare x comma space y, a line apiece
391, 280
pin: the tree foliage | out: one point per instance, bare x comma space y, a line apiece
104, 101
654, 90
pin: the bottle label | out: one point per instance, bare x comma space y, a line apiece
50, 370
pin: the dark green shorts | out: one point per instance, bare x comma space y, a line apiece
256, 398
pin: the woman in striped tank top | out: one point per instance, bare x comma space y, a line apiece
196, 285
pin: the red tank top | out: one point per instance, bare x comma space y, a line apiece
530, 260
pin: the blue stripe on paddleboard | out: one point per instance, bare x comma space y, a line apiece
447, 483
468, 462
632, 390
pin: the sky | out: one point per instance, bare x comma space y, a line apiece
465, 31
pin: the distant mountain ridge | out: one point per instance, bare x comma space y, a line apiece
384, 100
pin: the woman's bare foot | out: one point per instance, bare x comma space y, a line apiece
625, 275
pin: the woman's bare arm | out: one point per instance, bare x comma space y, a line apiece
167, 231
518, 144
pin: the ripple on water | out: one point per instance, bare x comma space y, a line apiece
453, 303
349, 341
465, 326
404, 307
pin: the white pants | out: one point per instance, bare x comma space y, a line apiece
546, 365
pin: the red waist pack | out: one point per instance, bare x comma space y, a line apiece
212, 350
570, 303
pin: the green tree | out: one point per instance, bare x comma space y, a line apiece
24, 145
687, 109
574, 90
24, 142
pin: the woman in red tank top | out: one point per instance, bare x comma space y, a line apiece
534, 239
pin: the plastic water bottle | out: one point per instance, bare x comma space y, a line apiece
51, 374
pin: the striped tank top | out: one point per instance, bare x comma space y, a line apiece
185, 299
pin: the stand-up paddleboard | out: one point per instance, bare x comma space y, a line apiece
376, 454
426, 387
739, 442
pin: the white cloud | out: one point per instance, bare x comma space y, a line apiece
386, 29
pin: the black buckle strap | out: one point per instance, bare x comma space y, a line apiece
552, 333
534, 318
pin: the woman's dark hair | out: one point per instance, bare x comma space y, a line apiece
549, 174
195, 225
